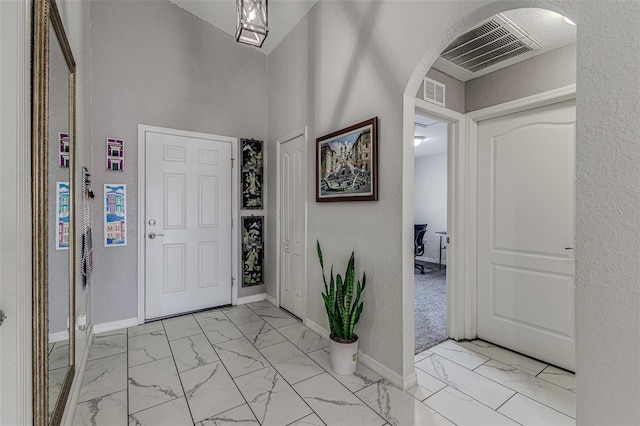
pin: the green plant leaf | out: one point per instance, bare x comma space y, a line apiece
320, 254
342, 311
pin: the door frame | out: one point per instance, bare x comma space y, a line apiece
142, 144
459, 213
293, 135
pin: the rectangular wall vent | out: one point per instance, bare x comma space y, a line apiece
434, 91
490, 43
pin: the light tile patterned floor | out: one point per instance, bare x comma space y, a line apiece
256, 364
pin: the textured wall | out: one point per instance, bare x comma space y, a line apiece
155, 64
431, 201
541, 73
608, 216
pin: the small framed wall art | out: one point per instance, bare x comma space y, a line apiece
252, 174
115, 215
115, 154
62, 215
252, 250
64, 149
347, 164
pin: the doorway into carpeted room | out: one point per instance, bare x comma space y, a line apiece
430, 231
430, 307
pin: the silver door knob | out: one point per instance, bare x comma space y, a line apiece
153, 235
2, 317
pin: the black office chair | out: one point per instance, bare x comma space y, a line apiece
418, 249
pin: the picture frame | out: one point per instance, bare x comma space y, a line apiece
252, 250
115, 215
347, 164
62, 215
252, 168
63, 139
115, 154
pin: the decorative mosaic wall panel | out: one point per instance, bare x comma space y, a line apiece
252, 250
252, 171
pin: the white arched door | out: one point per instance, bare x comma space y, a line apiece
526, 265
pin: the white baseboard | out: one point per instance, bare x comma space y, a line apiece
411, 380
317, 328
271, 300
115, 325
386, 373
251, 299
59, 336
74, 393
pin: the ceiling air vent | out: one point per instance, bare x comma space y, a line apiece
434, 91
494, 41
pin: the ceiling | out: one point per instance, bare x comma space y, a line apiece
283, 16
435, 137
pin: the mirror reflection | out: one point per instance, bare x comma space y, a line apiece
58, 219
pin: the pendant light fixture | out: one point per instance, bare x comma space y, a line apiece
251, 24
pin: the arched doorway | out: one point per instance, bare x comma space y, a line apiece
461, 286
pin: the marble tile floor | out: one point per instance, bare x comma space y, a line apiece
258, 365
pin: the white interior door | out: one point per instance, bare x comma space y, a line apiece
292, 225
188, 224
526, 267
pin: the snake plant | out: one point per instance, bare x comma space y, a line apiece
342, 310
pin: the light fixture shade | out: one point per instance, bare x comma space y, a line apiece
251, 23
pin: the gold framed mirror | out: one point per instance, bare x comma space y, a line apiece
53, 204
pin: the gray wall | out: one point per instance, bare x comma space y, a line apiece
541, 73
454, 92
155, 64
329, 79
431, 201
607, 225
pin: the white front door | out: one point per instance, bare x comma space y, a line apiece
187, 224
291, 189
526, 266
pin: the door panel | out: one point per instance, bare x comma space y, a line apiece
292, 226
526, 273
188, 195
519, 294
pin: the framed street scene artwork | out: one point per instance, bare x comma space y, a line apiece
115, 213
347, 164
62, 215
115, 154
63, 139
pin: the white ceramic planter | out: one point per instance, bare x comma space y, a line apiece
344, 357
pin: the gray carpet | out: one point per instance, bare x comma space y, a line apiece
430, 308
